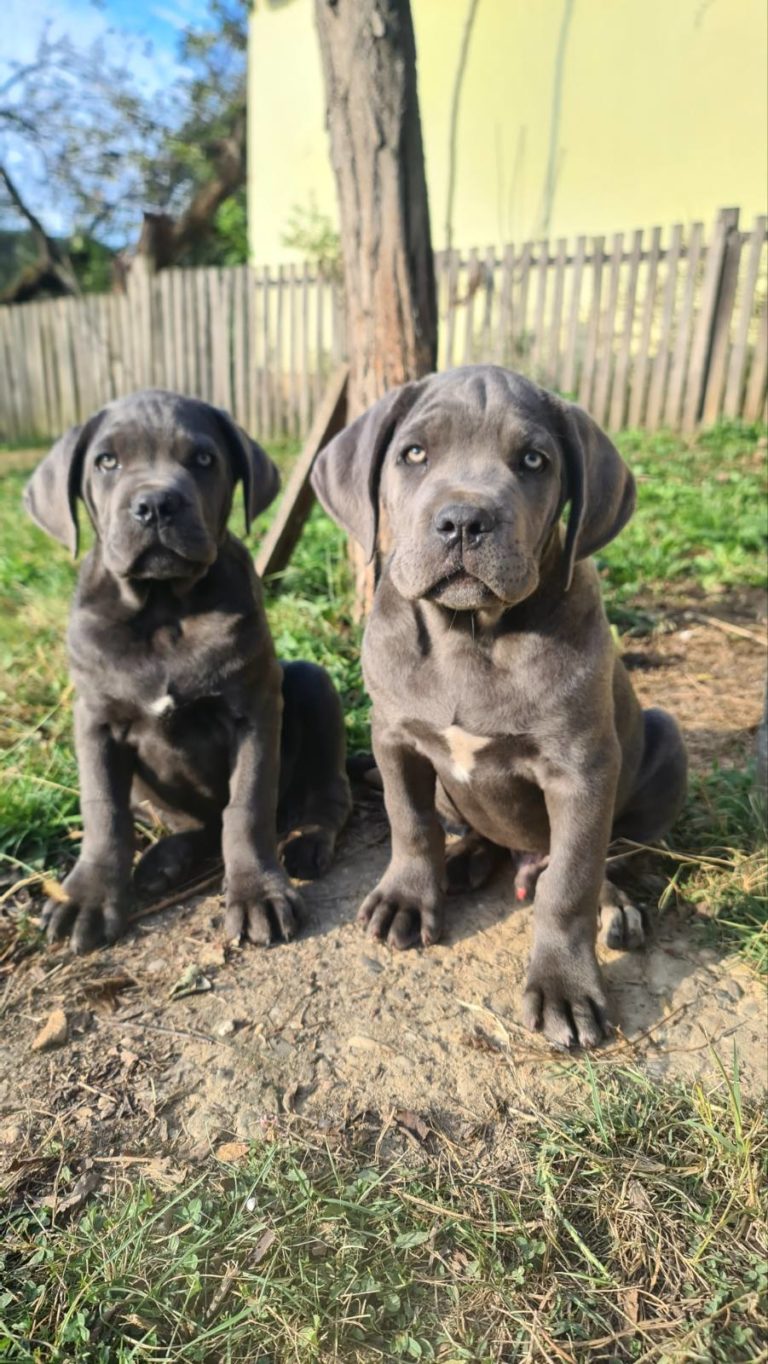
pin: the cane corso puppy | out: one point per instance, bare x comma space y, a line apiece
499, 702
179, 694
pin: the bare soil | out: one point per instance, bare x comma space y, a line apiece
333, 1024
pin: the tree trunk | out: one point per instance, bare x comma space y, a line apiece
369, 63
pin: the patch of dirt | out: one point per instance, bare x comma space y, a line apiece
174, 1040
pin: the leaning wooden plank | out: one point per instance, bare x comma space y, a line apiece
296, 503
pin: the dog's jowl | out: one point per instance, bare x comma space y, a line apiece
179, 696
500, 706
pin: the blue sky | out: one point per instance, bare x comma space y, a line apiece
156, 23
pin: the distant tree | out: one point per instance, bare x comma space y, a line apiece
164, 174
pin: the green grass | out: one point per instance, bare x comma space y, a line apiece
700, 522
630, 1226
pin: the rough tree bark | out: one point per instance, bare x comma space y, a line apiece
369, 63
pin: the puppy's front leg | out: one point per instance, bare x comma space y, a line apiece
261, 902
405, 906
97, 887
564, 995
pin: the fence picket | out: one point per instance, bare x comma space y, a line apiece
606, 333
619, 394
660, 368
734, 388
640, 367
701, 345
590, 352
569, 372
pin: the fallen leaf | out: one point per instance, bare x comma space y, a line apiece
192, 981
53, 1033
86, 1185
231, 1151
263, 1245
405, 1117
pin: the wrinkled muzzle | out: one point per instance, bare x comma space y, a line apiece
157, 531
465, 552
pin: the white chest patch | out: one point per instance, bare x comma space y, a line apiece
463, 748
163, 705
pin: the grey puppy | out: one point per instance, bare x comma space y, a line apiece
179, 693
499, 702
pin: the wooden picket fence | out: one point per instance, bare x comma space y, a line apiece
647, 329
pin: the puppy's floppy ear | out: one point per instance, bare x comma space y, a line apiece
51, 494
600, 487
252, 466
346, 473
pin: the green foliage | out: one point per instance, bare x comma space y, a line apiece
630, 1224
312, 233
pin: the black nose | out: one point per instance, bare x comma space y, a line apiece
463, 521
151, 508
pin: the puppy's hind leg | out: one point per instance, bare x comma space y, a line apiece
315, 800
658, 795
175, 860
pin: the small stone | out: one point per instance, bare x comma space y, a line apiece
372, 965
708, 954
10, 1135
732, 989
227, 1028
155, 966
53, 1033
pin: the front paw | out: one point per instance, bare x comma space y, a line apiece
402, 913
262, 907
94, 911
564, 997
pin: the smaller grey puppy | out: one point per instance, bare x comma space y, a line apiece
500, 704
179, 694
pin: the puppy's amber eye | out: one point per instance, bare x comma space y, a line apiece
203, 459
415, 454
106, 463
533, 461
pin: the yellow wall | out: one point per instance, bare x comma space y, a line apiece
664, 115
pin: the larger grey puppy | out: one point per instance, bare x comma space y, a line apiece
179, 693
499, 702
